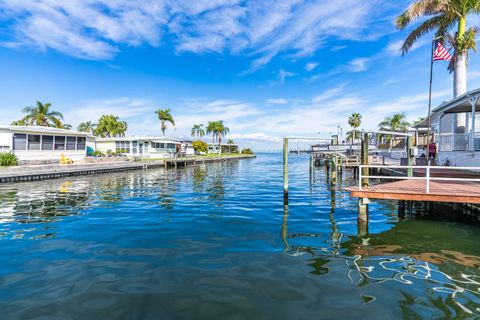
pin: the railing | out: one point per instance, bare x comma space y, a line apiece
427, 176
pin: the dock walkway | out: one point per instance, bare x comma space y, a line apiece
425, 183
415, 190
40, 172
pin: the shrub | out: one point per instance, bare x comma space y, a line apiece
8, 159
98, 154
247, 151
200, 146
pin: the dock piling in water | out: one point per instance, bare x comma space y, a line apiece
285, 168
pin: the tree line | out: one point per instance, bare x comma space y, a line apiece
109, 125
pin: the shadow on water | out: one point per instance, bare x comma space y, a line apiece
204, 242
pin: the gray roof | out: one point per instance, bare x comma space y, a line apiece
41, 130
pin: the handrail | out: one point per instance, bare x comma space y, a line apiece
427, 176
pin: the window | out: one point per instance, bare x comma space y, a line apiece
134, 146
47, 142
71, 143
81, 141
19, 141
59, 143
122, 146
4, 148
171, 145
33, 142
146, 147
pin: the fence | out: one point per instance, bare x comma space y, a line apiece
427, 177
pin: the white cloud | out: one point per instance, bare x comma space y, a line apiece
283, 74
310, 66
124, 108
358, 64
258, 136
97, 29
277, 101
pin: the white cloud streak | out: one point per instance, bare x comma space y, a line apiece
98, 29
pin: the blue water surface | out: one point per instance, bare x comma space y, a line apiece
215, 241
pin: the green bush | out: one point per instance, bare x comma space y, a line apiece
98, 154
200, 146
7, 159
247, 151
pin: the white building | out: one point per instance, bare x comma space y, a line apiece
226, 148
44, 144
148, 147
456, 128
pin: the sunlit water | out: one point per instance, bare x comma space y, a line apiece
215, 241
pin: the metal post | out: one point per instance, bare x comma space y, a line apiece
285, 169
409, 156
364, 159
427, 177
430, 91
473, 102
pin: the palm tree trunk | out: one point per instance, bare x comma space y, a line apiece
460, 77
219, 144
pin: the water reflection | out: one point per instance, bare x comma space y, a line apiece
220, 235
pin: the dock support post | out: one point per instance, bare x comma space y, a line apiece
364, 158
409, 156
333, 171
285, 170
401, 209
362, 217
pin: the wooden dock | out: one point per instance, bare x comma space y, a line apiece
40, 172
415, 190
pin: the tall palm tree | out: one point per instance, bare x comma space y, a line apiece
110, 126
218, 131
42, 115
230, 143
355, 120
442, 16
396, 122
197, 130
211, 129
222, 131
164, 116
87, 126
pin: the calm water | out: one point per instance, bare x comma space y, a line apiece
216, 242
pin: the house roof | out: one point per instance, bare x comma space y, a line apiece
461, 103
139, 138
42, 130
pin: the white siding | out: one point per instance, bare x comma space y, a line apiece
460, 158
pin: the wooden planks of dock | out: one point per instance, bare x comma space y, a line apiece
415, 190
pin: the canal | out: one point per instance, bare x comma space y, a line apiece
215, 241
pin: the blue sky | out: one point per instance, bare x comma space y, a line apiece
267, 68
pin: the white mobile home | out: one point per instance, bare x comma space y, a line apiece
43, 144
456, 129
147, 147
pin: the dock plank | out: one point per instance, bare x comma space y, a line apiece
415, 190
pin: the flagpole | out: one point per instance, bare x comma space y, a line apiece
430, 93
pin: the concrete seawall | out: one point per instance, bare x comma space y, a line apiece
40, 172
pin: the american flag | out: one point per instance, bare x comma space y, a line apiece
441, 53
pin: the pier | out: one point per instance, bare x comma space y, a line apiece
41, 172
425, 183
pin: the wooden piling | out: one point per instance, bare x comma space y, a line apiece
409, 143
285, 169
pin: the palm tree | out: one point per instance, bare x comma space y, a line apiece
218, 130
396, 122
110, 126
42, 115
87, 126
211, 129
20, 122
230, 143
221, 132
355, 120
197, 130
352, 135
65, 126
443, 15
164, 116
